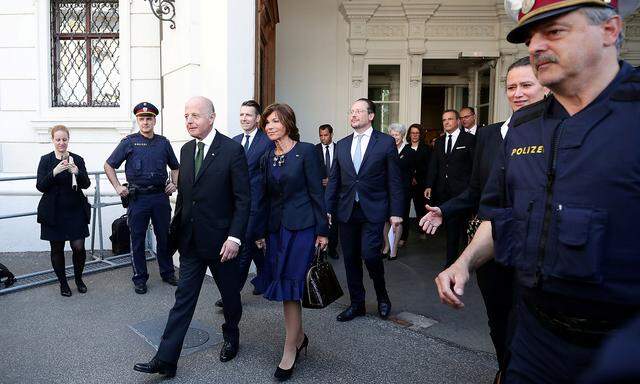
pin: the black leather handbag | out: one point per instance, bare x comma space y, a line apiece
321, 286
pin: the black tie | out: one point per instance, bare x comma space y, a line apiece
246, 142
327, 159
448, 144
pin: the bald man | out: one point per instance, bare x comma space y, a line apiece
211, 217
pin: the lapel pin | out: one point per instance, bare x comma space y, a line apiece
297, 155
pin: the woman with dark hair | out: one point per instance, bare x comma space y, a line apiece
63, 210
415, 138
297, 224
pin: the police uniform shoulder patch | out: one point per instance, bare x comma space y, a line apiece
629, 89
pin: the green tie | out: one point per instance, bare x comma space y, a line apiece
199, 155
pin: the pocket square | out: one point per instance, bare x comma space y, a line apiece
463, 147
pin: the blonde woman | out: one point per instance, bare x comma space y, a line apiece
62, 211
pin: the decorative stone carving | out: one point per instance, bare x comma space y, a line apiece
486, 31
386, 30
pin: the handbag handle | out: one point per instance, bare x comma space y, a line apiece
318, 257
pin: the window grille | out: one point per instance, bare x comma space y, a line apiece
84, 53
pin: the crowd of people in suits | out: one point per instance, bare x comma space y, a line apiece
244, 200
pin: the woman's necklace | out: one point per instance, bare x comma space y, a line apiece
278, 160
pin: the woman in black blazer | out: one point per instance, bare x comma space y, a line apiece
407, 170
292, 197
415, 138
63, 211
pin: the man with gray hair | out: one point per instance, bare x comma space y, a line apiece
561, 212
212, 211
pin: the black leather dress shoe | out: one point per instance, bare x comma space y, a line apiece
228, 351
171, 280
141, 288
156, 366
351, 313
384, 309
219, 303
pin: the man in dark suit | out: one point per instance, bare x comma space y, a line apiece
211, 217
449, 174
364, 191
326, 150
255, 144
495, 280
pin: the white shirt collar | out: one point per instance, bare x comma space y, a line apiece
366, 133
251, 135
401, 147
505, 127
454, 134
209, 139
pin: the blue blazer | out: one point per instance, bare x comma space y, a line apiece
296, 201
379, 181
257, 149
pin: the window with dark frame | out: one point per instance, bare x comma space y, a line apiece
85, 44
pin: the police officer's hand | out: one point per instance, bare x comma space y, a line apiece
261, 244
432, 220
170, 188
427, 193
61, 167
122, 191
229, 250
451, 282
395, 221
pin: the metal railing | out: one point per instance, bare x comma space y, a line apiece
99, 262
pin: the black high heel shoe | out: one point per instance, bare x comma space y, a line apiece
65, 290
304, 345
285, 374
82, 288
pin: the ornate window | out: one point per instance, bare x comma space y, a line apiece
84, 53
384, 91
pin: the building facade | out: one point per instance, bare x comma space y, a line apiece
86, 63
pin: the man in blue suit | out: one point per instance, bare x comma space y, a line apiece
364, 191
255, 144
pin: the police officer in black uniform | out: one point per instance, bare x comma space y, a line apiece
147, 156
563, 197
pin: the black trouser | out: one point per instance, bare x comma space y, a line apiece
497, 288
455, 227
57, 259
362, 240
192, 272
333, 239
249, 252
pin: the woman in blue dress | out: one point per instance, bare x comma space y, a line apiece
295, 224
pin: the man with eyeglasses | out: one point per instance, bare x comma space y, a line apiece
468, 120
364, 191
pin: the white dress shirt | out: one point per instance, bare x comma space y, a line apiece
366, 135
252, 136
324, 152
505, 128
472, 130
454, 138
207, 144
401, 147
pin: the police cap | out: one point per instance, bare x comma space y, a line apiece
145, 109
528, 12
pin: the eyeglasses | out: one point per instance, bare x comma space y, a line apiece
466, 117
357, 111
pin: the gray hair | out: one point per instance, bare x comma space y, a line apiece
400, 128
598, 15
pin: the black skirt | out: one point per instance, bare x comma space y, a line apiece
70, 219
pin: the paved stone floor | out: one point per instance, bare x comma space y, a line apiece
47, 338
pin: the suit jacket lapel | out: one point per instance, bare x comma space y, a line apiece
372, 142
256, 141
209, 157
